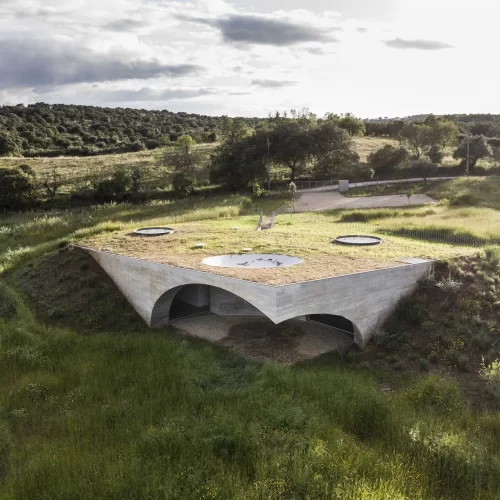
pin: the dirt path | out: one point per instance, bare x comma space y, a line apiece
333, 200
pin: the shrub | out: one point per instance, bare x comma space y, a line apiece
387, 158
491, 375
5, 443
436, 394
17, 188
8, 307
183, 185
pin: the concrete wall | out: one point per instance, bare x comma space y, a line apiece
366, 299
224, 303
196, 295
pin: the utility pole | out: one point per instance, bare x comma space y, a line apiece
468, 154
268, 164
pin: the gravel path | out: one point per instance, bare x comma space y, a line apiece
331, 200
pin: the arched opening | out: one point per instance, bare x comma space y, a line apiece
333, 321
197, 300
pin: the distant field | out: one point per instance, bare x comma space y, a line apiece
156, 172
151, 161
367, 145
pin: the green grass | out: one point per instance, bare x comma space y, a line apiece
94, 405
388, 189
28, 235
154, 416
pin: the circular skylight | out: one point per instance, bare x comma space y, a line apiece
358, 240
154, 231
252, 261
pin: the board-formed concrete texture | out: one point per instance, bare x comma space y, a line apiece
366, 299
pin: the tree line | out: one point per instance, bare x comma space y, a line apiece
66, 130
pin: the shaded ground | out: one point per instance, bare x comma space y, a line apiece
259, 338
333, 200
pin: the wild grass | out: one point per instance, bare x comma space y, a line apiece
154, 416
28, 235
156, 172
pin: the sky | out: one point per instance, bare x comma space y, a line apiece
373, 58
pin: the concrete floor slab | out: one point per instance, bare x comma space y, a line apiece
259, 338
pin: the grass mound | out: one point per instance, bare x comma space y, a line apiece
450, 325
68, 288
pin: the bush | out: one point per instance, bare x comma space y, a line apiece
387, 158
17, 188
491, 375
183, 185
8, 307
114, 188
436, 394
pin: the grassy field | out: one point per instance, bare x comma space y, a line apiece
94, 405
74, 170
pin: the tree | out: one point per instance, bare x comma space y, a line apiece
478, 148
388, 158
416, 137
183, 184
292, 147
353, 125
424, 168
51, 182
233, 129
292, 195
435, 154
239, 164
333, 151
442, 133
184, 157
10, 143
17, 188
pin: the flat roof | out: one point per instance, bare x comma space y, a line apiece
307, 236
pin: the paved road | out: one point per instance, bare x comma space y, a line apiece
333, 200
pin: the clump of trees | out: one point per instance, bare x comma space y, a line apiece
302, 143
55, 130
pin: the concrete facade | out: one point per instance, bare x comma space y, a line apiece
366, 299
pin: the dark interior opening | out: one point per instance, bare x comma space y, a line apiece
180, 309
338, 322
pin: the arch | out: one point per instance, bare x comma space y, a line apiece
198, 298
334, 321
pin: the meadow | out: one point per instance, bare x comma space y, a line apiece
108, 409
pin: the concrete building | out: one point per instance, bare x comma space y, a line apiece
363, 299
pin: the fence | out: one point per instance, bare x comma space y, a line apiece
435, 235
303, 185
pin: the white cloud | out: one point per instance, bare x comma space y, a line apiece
257, 55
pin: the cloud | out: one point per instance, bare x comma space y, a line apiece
150, 94
317, 51
273, 84
239, 93
125, 25
261, 30
37, 63
399, 43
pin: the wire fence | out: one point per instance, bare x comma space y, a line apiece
445, 236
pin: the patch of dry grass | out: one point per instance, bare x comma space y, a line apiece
308, 236
367, 145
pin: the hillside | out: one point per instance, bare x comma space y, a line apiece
54, 130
